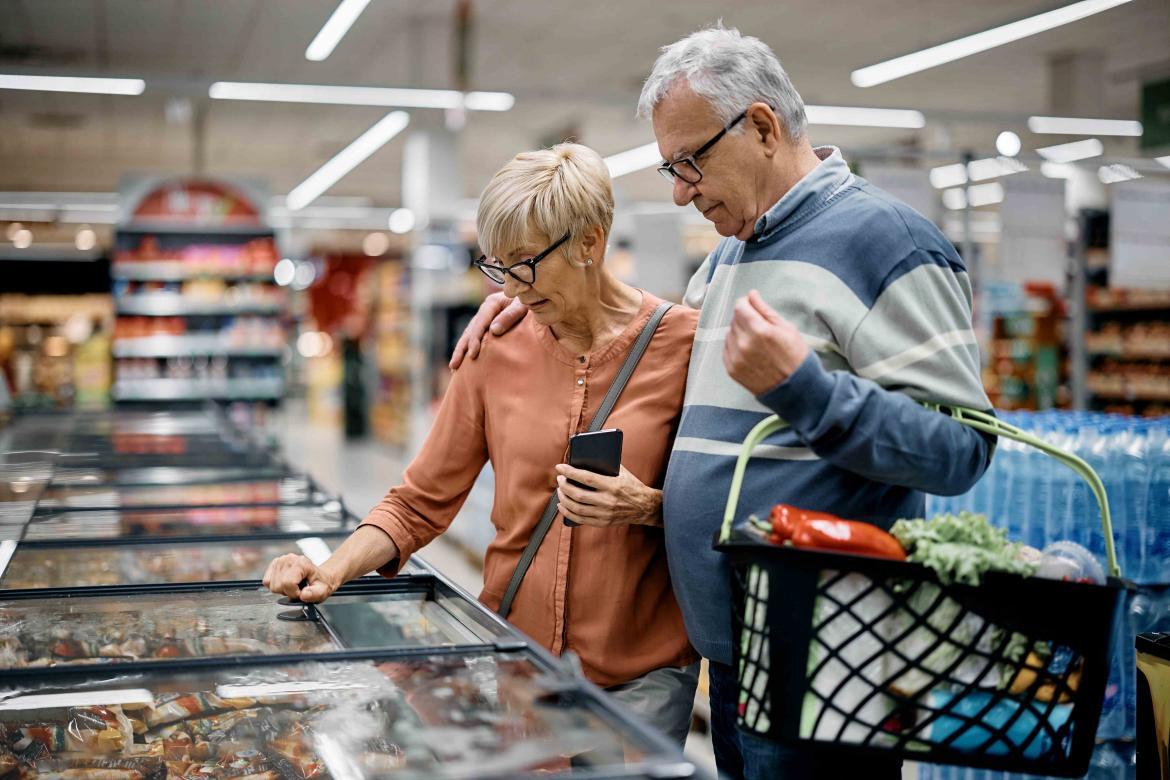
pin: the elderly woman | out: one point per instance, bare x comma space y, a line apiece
600, 589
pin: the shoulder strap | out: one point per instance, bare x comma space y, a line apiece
607, 404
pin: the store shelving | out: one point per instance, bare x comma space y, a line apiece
172, 389
173, 271
199, 314
1127, 347
176, 305
190, 346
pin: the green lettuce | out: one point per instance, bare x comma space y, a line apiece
960, 548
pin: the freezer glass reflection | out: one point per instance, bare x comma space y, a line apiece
80, 566
205, 521
87, 630
482, 715
290, 490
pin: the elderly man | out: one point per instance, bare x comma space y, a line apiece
829, 303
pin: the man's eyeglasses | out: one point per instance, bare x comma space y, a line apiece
523, 272
687, 169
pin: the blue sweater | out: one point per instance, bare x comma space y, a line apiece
884, 302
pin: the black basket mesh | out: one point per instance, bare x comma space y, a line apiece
878, 656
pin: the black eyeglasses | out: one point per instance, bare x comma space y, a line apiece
687, 169
523, 272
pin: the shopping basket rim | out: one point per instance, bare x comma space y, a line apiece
850, 562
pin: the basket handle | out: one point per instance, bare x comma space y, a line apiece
979, 421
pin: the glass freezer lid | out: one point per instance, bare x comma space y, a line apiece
291, 489
66, 474
171, 624
80, 566
450, 716
194, 522
56, 631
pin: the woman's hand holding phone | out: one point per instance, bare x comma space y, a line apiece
607, 501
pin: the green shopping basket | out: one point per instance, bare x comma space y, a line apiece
878, 657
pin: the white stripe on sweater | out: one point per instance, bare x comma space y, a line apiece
815, 343
731, 449
916, 353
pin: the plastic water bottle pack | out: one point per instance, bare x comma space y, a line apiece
1041, 502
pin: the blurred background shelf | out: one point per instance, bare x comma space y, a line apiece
167, 389
189, 346
177, 271
176, 305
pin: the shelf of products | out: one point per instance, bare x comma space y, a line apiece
199, 315
1103, 300
393, 354
55, 349
1024, 354
189, 303
1128, 346
163, 388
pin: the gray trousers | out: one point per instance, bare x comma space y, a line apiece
664, 698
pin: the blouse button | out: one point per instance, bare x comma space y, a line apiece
580, 381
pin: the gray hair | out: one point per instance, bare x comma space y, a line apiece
731, 71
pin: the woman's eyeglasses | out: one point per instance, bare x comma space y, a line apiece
523, 272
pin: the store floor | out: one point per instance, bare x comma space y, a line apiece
361, 471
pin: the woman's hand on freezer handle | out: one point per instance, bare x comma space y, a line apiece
607, 501
499, 314
286, 574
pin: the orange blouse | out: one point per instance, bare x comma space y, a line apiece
603, 593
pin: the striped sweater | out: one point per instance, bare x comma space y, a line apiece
884, 302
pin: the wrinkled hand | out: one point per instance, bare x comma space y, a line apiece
286, 573
620, 500
762, 348
499, 314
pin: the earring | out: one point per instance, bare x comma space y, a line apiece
588, 261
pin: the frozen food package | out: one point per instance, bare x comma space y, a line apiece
451, 716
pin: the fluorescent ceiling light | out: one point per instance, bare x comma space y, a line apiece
335, 29
636, 159
994, 167
347, 159
1112, 174
955, 199
948, 176
96, 86
979, 42
401, 221
1077, 150
1163, 160
1008, 143
1064, 125
864, 117
985, 194
361, 96
1057, 170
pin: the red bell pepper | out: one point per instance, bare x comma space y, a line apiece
821, 531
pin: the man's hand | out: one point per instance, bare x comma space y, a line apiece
620, 500
499, 313
762, 348
286, 573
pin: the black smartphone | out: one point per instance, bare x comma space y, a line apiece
599, 452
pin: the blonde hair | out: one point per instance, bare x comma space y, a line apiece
565, 189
